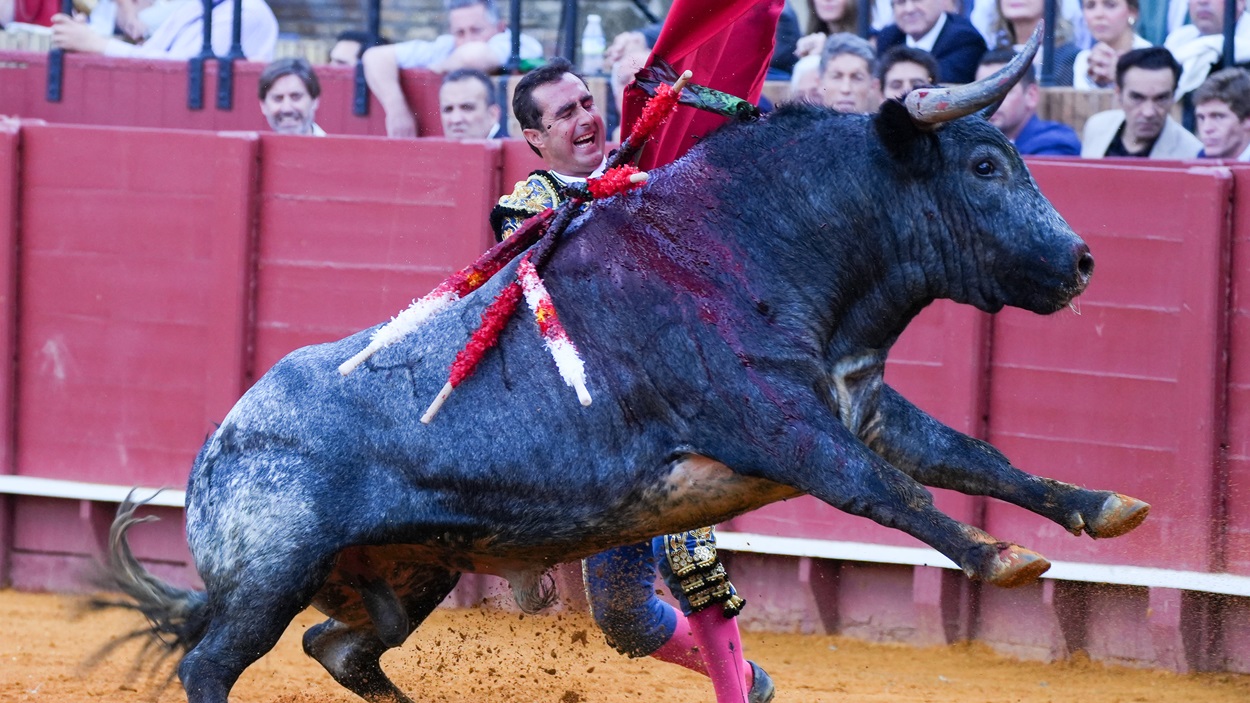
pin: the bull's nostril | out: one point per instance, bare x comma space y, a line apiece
1085, 265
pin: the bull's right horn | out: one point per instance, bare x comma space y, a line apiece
930, 106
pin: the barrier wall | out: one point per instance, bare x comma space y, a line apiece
161, 275
352, 230
99, 90
10, 138
1237, 535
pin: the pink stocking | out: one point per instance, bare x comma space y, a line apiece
721, 647
682, 649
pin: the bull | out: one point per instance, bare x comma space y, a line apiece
734, 316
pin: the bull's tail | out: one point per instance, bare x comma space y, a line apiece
177, 617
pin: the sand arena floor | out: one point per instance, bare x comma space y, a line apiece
483, 655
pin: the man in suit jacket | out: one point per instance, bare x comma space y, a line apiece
1145, 82
952, 40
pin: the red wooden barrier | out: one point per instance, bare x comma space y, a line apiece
10, 177
1237, 499
353, 229
99, 90
1126, 394
133, 298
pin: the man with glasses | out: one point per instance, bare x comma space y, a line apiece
1145, 82
953, 41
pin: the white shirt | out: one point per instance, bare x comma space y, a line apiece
1197, 53
568, 180
418, 53
1183, 35
928, 40
181, 36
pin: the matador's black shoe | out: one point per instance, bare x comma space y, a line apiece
762, 688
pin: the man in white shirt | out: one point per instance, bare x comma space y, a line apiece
289, 96
1222, 112
1200, 45
476, 39
181, 36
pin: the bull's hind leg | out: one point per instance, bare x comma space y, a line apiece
247, 619
352, 654
938, 456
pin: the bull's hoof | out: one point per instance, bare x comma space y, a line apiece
1014, 566
1119, 514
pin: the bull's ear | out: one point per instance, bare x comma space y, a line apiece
896, 129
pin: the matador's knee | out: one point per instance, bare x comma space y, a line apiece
620, 586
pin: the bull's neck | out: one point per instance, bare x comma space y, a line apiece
859, 271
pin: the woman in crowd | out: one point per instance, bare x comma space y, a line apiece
1016, 22
824, 18
1112, 24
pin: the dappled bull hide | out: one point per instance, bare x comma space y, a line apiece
734, 317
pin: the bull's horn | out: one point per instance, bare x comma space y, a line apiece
929, 106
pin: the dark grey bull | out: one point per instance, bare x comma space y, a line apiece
734, 316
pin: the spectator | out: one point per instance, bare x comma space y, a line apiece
903, 69
138, 19
1145, 85
1017, 116
1200, 45
289, 95
623, 71
785, 45
1015, 24
1223, 115
467, 105
350, 45
826, 17
848, 74
952, 39
477, 40
180, 36
1111, 23
805, 80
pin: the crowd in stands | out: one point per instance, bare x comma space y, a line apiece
820, 51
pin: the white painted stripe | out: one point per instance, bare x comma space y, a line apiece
1118, 574
79, 490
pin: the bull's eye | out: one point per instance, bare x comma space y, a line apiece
985, 167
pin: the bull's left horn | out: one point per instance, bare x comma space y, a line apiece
929, 106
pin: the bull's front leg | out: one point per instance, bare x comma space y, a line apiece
840, 470
938, 456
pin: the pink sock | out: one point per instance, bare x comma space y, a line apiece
682, 649
718, 640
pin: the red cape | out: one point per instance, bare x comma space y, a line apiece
727, 45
